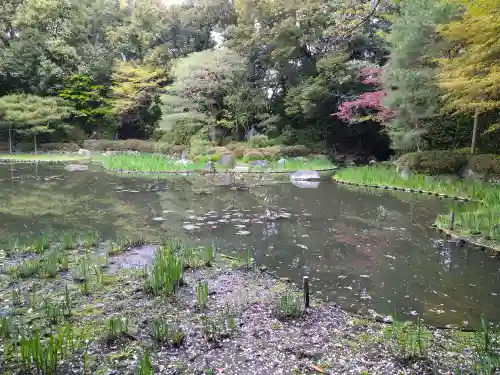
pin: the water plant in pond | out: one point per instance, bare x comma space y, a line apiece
44, 355
167, 332
208, 254
123, 243
50, 264
115, 327
408, 340
69, 241
28, 268
16, 297
165, 274
54, 312
144, 366
63, 261
67, 300
91, 240
201, 291
12, 246
289, 304
381, 176
41, 243
6, 327
147, 163
33, 297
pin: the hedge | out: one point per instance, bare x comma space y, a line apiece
132, 145
450, 162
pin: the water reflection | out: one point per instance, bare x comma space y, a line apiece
366, 249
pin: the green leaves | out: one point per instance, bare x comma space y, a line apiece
31, 114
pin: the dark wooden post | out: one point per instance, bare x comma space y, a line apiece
306, 291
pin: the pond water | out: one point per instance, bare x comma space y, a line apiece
363, 249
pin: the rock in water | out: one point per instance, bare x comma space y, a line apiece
306, 184
76, 167
83, 152
259, 164
305, 176
227, 160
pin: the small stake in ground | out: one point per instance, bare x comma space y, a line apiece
452, 219
306, 291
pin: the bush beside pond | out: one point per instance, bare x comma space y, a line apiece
450, 162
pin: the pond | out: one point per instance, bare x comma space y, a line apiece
363, 249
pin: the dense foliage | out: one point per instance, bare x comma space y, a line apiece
356, 76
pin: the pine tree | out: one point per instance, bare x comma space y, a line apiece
410, 75
32, 115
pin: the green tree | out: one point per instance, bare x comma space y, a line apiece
471, 72
134, 98
201, 81
410, 75
89, 101
31, 115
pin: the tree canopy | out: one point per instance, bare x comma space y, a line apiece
331, 75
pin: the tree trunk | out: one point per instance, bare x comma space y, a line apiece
34, 139
474, 132
10, 141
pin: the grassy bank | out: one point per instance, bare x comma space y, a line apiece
153, 163
54, 158
73, 307
480, 221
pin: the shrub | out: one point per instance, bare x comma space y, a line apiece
434, 162
239, 149
487, 164
258, 141
132, 145
294, 151
252, 155
451, 162
266, 153
62, 146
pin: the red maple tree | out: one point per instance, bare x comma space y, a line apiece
368, 106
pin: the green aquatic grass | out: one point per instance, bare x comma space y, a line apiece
146, 163
43, 157
389, 177
474, 219
152, 163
